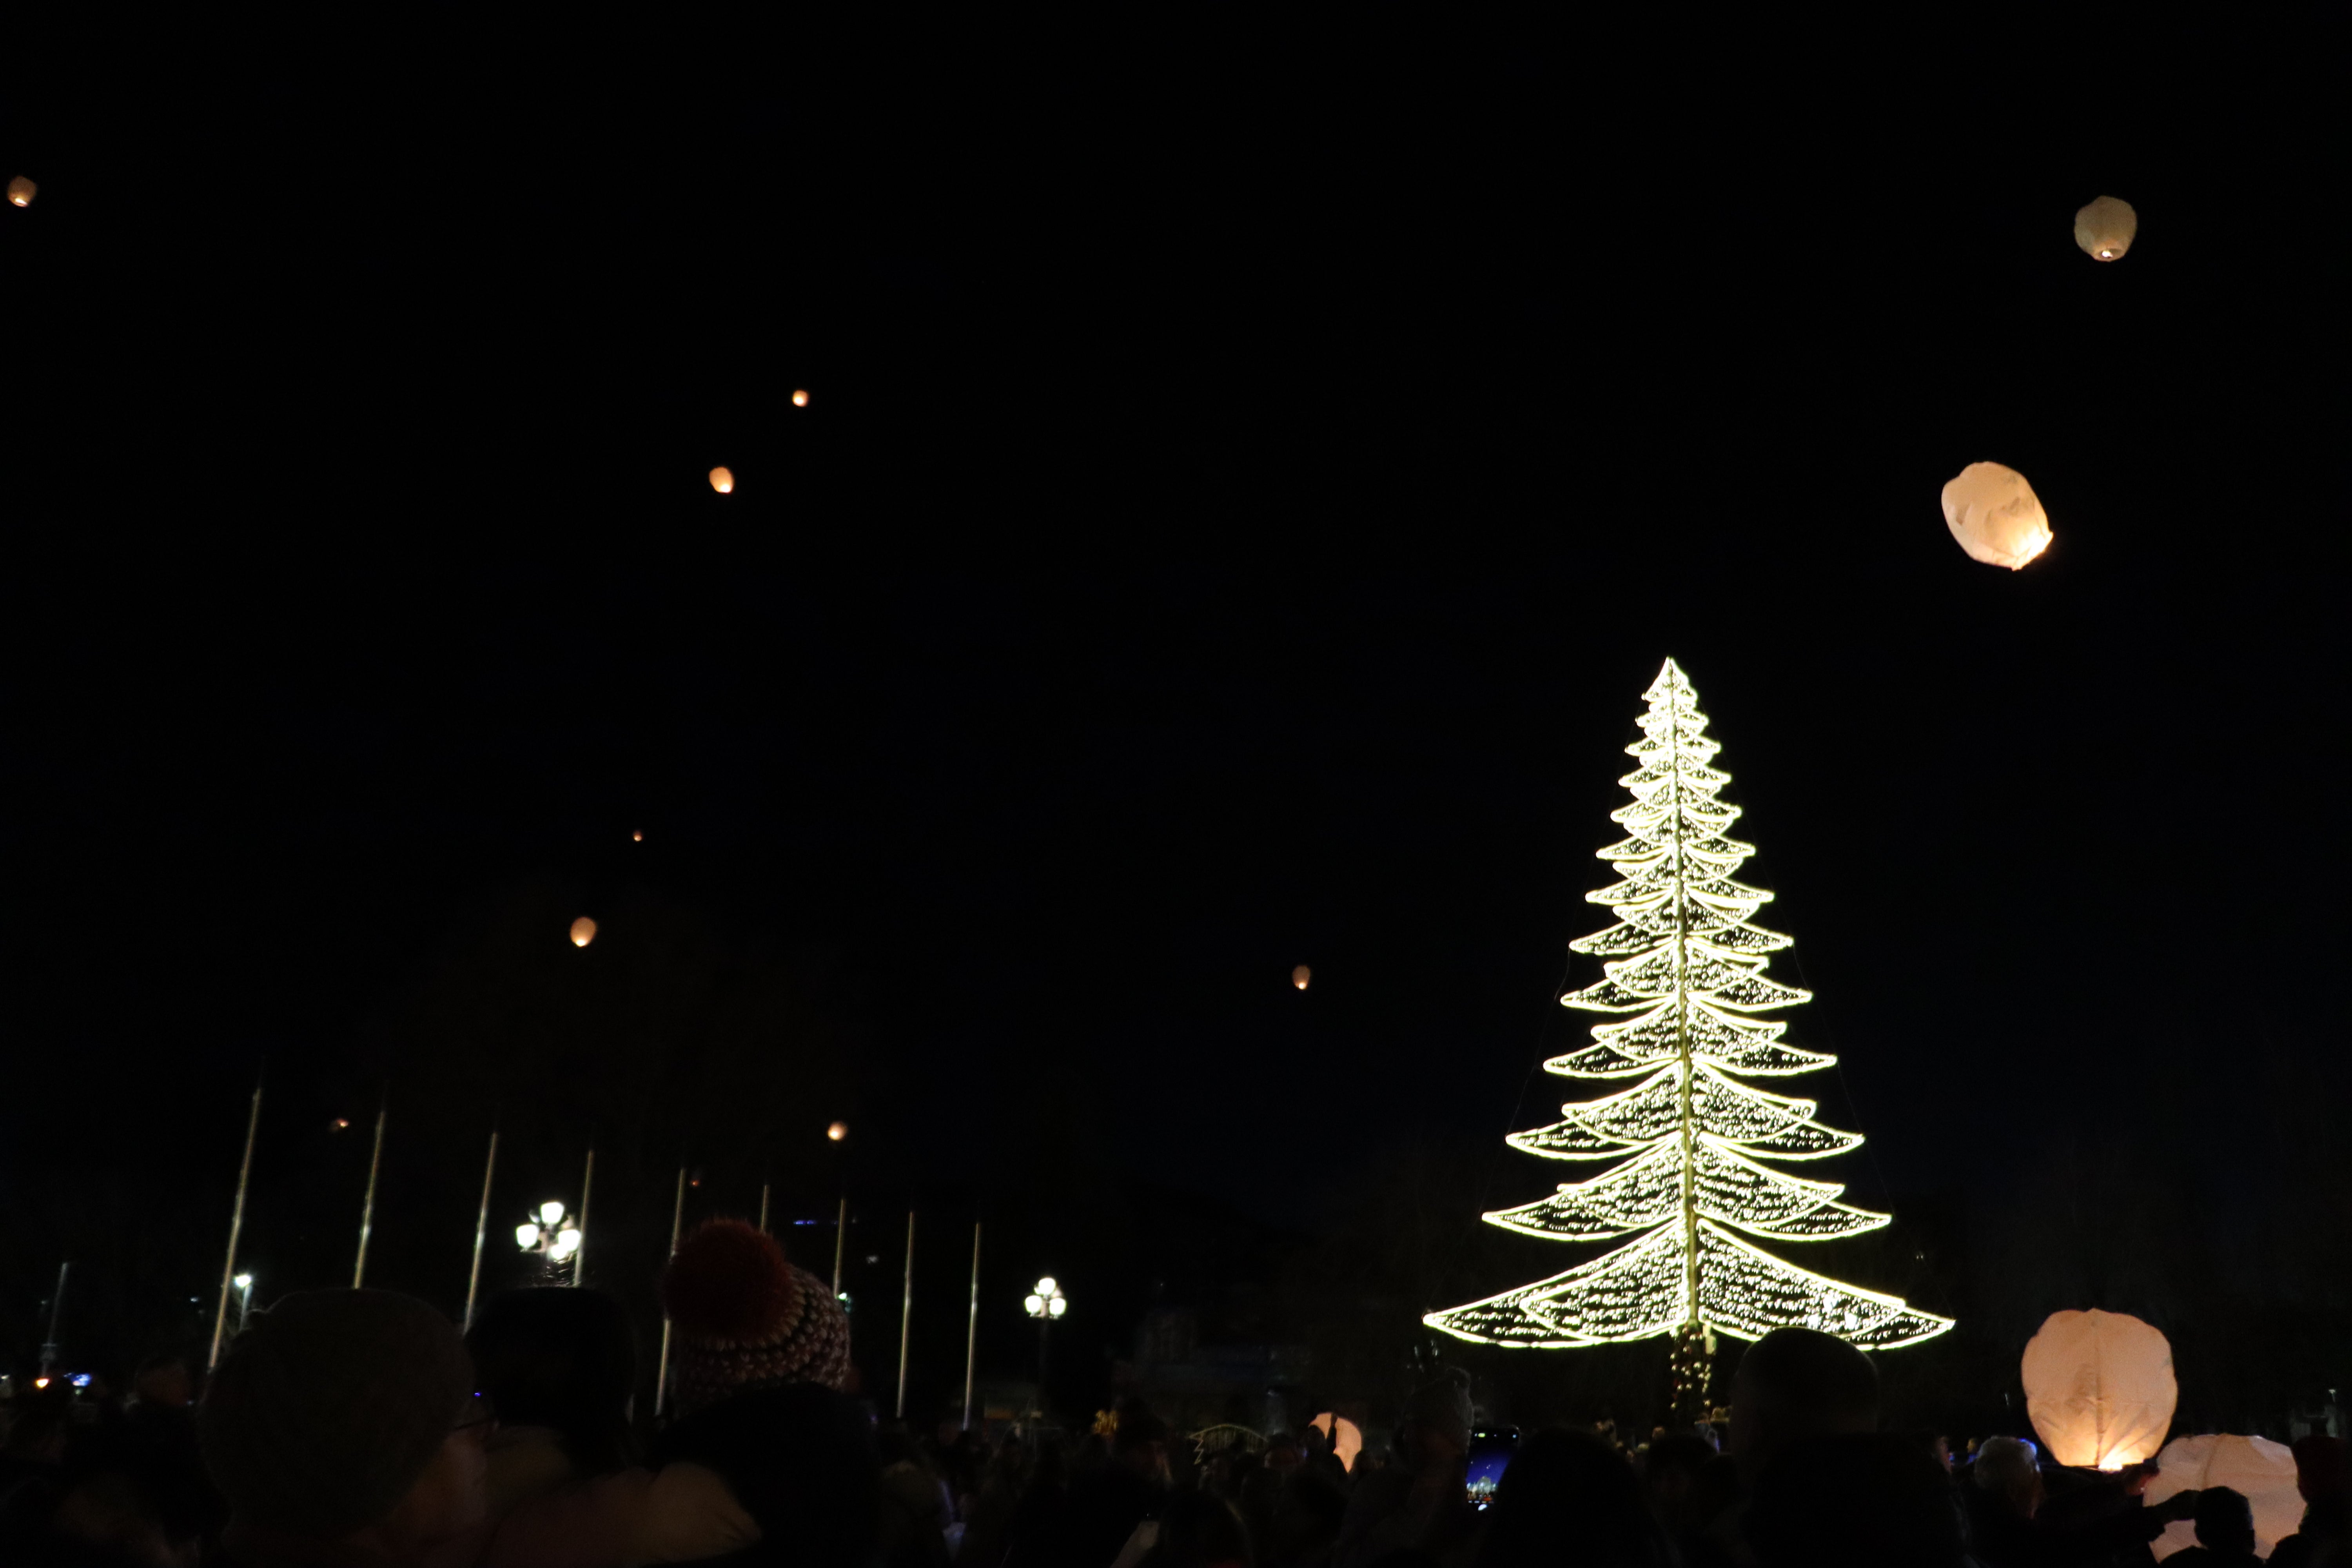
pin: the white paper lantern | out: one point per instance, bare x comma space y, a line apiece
2105, 228
2099, 1388
1996, 516
2263, 1470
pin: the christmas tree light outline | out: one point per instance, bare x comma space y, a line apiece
1684, 958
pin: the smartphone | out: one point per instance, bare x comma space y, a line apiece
1491, 1448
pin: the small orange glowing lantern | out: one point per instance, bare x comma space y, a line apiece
1995, 516
800, 397
638, 836
723, 480
583, 931
1301, 975
21, 191
837, 1131
2106, 228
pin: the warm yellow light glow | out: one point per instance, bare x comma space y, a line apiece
800, 399
1995, 516
21, 192
583, 931
1034, 1305
638, 836
38, 1382
837, 1131
2106, 228
1301, 975
244, 1282
1684, 970
549, 1212
723, 480
1046, 1285
525, 1235
1347, 1437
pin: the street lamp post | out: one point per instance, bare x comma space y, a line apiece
553, 1234
1046, 1304
243, 1301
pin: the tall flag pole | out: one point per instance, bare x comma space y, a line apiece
367, 1208
972, 1332
905, 1314
677, 1219
763, 1208
236, 1230
1685, 963
579, 1253
482, 1228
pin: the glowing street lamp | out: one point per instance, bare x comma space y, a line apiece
552, 1233
1046, 1304
244, 1299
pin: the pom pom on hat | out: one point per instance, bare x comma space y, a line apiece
745, 1318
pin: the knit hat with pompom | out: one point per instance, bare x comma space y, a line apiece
745, 1318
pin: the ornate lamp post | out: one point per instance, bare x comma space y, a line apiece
554, 1235
1046, 1304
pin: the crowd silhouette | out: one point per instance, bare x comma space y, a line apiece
347, 1429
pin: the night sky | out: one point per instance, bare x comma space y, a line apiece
1246, 487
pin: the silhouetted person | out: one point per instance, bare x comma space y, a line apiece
1421, 1501
2325, 1538
1105, 1507
1793, 1384
2225, 1532
342, 1426
559, 1368
1199, 1530
1854, 1499
1568, 1497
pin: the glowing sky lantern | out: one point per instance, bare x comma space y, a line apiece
1301, 975
2099, 1388
638, 836
21, 192
2257, 1469
1996, 516
800, 398
837, 1131
2105, 228
1347, 1437
583, 931
723, 480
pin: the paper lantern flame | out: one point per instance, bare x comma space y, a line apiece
2099, 1388
2104, 229
583, 931
1301, 975
723, 480
21, 192
1996, 517
2257, 1469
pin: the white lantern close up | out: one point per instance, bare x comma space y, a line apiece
2099, 1388
1995, 515
2105, 228
2259, 1469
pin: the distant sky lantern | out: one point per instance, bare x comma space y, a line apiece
837, 1131
21, 192
723, 480
1996, 517
2099, 1388
638, 836
1301, 975
800, 398
2259, 1470
583, 931
2105, 228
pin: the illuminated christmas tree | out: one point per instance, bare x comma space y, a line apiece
1685, 961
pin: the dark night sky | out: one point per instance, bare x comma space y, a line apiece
1248, 484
